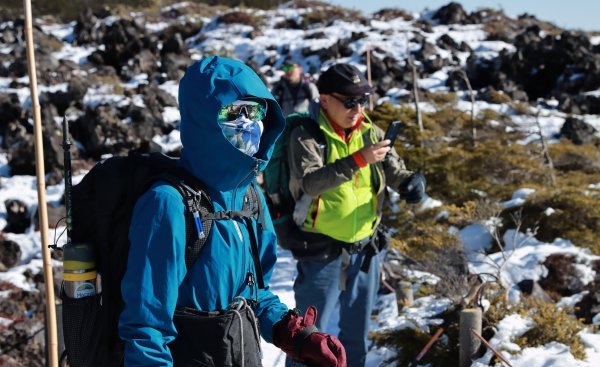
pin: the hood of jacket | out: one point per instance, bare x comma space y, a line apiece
208, 85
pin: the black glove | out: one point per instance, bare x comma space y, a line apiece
412, 189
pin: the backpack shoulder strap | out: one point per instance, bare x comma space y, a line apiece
198, 221
307, 91
311, 126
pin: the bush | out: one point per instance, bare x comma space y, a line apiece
409, 342
568, 157
457, 174
441, 98
497, 97
552, 323
325, 16
576, 216
388, 14
240, 17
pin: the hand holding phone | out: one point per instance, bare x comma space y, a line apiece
392, 131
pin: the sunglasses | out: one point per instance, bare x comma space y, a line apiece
254, 108
353, 102
287, 68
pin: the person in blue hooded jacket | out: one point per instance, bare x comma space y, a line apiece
229, 125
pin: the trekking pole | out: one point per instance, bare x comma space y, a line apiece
68, 182
52, 346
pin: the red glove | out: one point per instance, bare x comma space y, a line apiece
299, 338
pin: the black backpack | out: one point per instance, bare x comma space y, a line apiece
102, 205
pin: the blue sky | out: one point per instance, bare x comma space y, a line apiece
570, 14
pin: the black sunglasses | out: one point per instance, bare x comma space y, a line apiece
352, 102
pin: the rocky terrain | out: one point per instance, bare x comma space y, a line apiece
113, 73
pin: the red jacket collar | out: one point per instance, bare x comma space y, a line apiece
340, 130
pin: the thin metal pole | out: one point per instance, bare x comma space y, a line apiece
429, 344
490, 347
41, 191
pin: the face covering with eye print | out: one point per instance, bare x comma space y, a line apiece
243, 133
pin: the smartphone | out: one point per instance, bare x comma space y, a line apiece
392, 131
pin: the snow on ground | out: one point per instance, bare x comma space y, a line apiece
524, 254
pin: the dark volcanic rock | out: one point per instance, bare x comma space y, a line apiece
453, 13
10, 109
100, 131
10, 252
17, 216
545, 66
578, 131
563, 277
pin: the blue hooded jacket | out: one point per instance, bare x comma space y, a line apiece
156, 280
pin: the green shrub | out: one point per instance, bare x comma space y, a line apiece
576, 216
409, 342
497, 97
569, 157
552, 324
240, 17
441, 98
457, 174
325, 16
521, 108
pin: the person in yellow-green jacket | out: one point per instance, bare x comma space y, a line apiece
338, 174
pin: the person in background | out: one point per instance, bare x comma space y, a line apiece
292, 91
339, 188
187, 317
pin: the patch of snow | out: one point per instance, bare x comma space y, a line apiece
508, 329
5, 322
549, 355
170, 142
135, 81
4, 167
57, 30
475, 238
171, 115
571, 301
524, 256
429, 203
157, 27
102, 95
171, 87
76, 54
518, 198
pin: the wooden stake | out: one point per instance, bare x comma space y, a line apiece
404, 294
545, 150
369, 77
470, 319
472, 95
41, 190
415, 79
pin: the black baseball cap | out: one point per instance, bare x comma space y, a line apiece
344, 79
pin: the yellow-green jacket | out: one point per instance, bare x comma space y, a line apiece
333, 195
